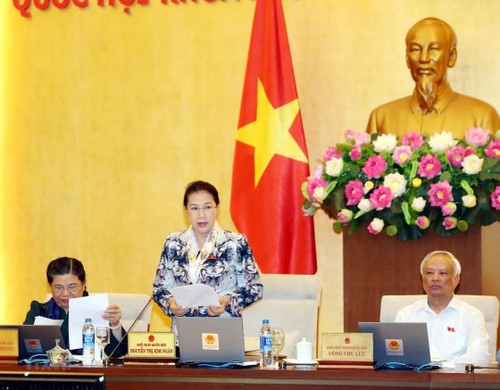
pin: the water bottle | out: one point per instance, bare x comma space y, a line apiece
266, 345
88, 340
498, 356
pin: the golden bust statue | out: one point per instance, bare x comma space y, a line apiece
431, 48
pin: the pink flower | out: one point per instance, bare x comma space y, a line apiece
476, 136
345, 215
354, 192
332, 152
375, 166
316, 189
455, 155
469, 151
402, 154
449, 208
423, 222
493, 149
356, 139
440, 194
495, 198
381, 198
450, 223
414, 140
429, 166
318, 171
376, 226
355, 154
349, 136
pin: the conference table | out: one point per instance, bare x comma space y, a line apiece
143, 375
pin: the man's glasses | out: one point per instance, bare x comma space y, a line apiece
71, 288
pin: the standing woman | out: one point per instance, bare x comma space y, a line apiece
67, 280
207, 254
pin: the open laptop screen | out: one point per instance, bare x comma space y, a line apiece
212, 340
398, 343
36, 339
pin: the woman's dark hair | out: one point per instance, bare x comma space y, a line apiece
64, 266
197, 186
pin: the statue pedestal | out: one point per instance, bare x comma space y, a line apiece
381, 265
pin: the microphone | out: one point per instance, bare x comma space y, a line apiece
471, 367
110, 356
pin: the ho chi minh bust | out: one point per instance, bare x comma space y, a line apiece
431, 48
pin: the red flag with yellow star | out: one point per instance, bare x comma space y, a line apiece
270, 160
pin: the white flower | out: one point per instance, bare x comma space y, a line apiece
365, 205
418, 204
319, 193
439, 142
368, 186
385, 143
472, 164
376, 225
396, 183
469, 201
334, 166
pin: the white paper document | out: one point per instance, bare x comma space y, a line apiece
91, 306
195, 295
39, 320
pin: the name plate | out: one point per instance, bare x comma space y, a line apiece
9, 344
347, 347
151, 345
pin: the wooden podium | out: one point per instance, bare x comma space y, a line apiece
380, 265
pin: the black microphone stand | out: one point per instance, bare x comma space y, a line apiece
111, 360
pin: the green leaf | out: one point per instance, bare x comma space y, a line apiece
491, 169
337, 227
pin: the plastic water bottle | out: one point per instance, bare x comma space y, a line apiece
498, 356
88, 340
266, 345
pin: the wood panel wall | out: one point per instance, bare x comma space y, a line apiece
379, 265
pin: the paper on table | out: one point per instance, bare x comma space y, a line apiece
39, 320
91, 306
195, 295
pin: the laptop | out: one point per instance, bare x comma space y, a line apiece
398, 345
212, 342
36, 339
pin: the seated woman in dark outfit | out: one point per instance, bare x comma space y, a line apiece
67, 280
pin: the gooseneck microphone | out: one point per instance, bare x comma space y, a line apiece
110, 356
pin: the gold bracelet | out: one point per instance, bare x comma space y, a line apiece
117, 326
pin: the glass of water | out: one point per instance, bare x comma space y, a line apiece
102, 338
278, 342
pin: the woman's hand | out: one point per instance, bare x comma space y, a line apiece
218, 310
113, 314
177, 310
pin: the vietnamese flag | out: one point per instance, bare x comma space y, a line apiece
270, 159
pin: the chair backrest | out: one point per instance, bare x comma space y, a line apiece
488, 305
131, 305
290, 302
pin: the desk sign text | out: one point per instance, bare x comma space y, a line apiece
151, 345
9, 343
347, 347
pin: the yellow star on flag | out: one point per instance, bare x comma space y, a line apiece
270, 133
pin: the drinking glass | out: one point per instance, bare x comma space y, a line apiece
278, 342
102, 338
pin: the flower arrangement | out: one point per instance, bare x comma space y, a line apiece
410, 185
